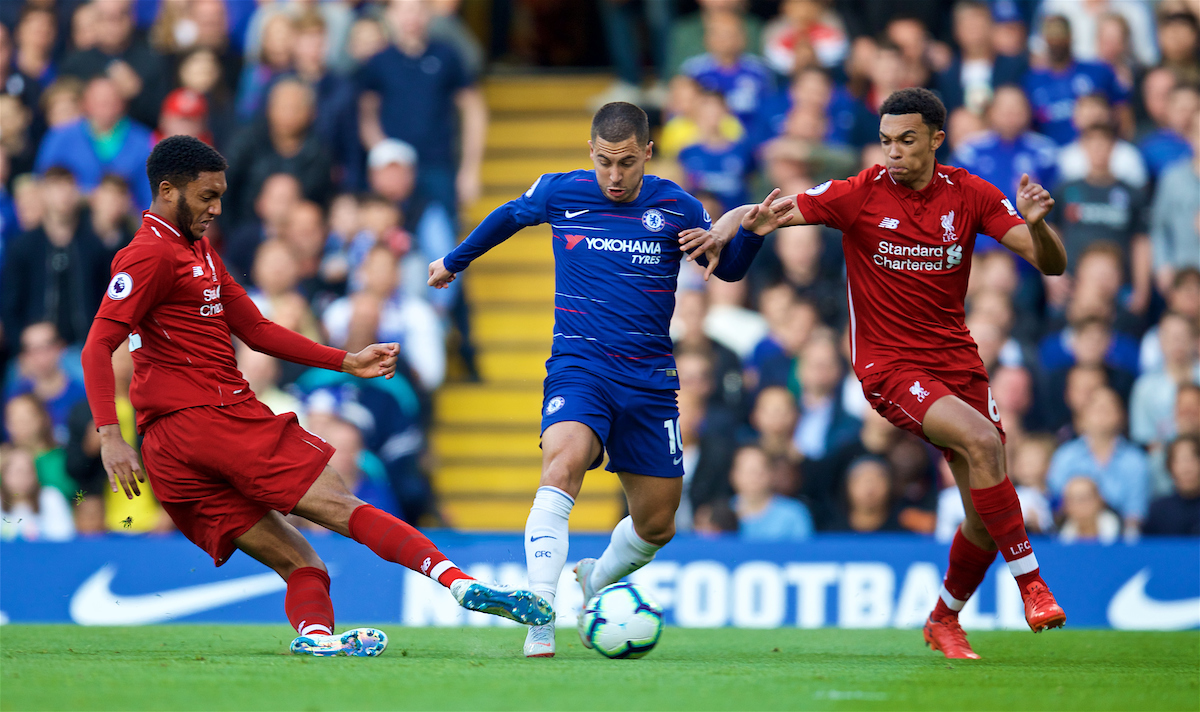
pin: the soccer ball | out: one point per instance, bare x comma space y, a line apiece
621, 621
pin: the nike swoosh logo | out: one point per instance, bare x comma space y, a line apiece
95, 603
577, 213
544, 536
1132, 609
678, 460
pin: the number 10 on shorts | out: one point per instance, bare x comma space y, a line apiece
674, 436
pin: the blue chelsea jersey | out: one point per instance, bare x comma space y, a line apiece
616, 268
1052, 95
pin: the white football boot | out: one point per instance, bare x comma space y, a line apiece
356, 642
583, 574
539, 641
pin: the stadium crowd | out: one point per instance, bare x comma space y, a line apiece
355, 130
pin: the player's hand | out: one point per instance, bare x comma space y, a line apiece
374, 361
120, 461
769, 215
439, 276
696, 241
1033, 201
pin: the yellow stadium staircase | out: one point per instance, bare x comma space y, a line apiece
485, 436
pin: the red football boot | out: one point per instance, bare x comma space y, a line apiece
1041, 610
948, 636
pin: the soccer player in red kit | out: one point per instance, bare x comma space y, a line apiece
908, 233
225, 468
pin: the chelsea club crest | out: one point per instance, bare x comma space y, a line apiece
653, 220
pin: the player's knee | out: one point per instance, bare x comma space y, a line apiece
559, 472
984, 449
658, 530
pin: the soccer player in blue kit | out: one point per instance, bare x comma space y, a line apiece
611, 379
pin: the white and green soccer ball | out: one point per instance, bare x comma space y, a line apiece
621, 621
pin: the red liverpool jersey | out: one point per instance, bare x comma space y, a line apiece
174, 296
908, 256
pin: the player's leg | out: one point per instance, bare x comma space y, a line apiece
638, 537
569, 449
952, 423
328, 503
971, 555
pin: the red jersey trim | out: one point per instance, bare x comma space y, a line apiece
147, 215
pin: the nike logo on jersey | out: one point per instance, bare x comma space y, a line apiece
577, 213
95, 603
1132, 609
889, 223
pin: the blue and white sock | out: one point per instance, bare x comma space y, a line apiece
546, 540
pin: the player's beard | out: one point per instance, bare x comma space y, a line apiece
183, 219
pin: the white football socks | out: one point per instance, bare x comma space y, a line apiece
546, 540
626, 552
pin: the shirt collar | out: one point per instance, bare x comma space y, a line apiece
924, 194
161, 226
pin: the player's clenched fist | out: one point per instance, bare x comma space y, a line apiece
439, 276
374, 361
1033, 201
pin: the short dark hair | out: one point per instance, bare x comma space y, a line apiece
179, 160
917, 100
617, 121
58, 172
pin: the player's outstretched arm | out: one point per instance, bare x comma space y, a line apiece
759, 219
120, 461
498, 226
1036, 241
374, 361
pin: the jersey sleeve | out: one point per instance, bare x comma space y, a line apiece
532, 208
996, 212
836, 203
142, 277
502, 223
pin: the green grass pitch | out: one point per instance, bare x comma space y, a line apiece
194, 667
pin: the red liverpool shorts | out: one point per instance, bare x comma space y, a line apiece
902, 393
218, 470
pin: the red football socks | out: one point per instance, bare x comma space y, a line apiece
307, 603
968, 565
1000, 510
400, 543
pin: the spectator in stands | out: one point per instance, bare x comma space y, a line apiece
348, 460
392, 172
707, 436
713, 164
40, 373
868, 498
381, 312
1029, 469
1126, 160
200, 71
802, 153
1114, 48
401, 100
774, 418
1085, 516
804, 31
110, 207
58, 271
32, 66
275, 58
824, 425
16, 135
28, 426
262, 373
621, 36
1102, 453
448, 25
1155, 95
1054, 89
284, 143
277, 197
976, 72
1035, 507
688, 331
1066, 398
715, 519
184, 111
1169, 143
137, 72
1012, 389
27, 202
304, 231
1009, 149
62, 102
680, 129
104, 141
791, 322
1088, 20
1103, 207
1091, 342
762, 514
729, 322
276, 278
1178, 41
32, 512
1183, 298
1178, 514
1174, 227
367, 38
1152, 405
182, 29
336, 121
727, 68
688, 32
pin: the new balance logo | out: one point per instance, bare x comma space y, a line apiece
918, 391
425, 565
889, 223
197, 271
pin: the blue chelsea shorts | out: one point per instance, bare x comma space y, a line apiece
639, 427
